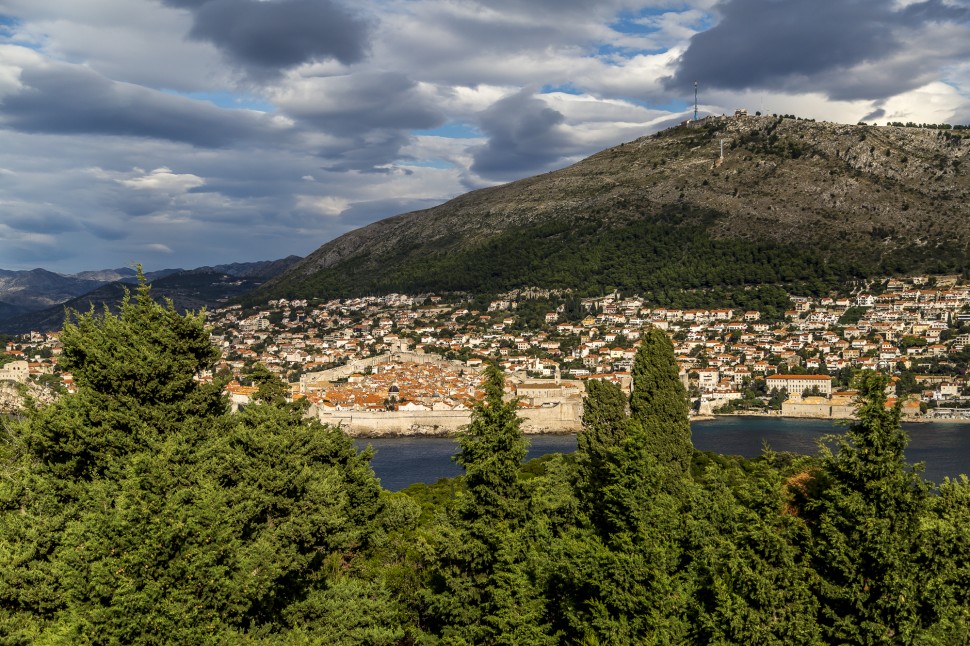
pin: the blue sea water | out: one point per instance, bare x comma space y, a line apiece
944, 448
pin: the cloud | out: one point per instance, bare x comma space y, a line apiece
363, 101
360, 121
326, 205
121, 127
523, 135
64, 98
265, 37
849, 49
163, 180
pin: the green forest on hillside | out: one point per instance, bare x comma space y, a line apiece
139, 510
670, 258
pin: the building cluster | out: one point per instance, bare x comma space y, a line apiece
336, 353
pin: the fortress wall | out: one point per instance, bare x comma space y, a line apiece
405, 423
553, 419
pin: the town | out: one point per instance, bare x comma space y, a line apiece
412, 364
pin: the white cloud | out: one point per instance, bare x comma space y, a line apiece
163, 180
327, 205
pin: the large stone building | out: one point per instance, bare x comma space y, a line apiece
798, 384
15, 371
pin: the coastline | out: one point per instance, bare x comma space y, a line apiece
922, 419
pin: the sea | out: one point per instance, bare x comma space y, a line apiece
942, 447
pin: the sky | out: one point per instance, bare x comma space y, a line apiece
186, 133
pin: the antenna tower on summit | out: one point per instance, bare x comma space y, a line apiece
695, 100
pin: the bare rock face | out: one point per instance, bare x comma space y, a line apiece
12, 398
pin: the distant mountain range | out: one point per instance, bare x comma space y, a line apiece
793, 204
36, 299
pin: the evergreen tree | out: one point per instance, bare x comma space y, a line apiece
605, 424
749, 580
618, 579
659, 404
944, 563
865, 528
139, 510
481, 589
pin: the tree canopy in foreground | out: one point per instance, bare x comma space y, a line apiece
139, 510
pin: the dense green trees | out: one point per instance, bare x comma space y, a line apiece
480, 589
139, 511
659, 404
865, 521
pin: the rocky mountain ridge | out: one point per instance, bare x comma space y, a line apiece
872, 198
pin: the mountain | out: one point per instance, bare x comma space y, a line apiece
793, 204
193, 289
39, 288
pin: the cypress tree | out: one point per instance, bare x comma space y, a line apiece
605, 424
658, 404
617, 581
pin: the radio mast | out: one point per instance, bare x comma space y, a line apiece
695, 100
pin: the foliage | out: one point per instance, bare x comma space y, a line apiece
480, 591
140, 511
865, 528
140, 508
659, 403
669, 256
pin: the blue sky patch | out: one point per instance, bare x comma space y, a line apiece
629, 22
567, 88
612, 51
227, 100
440, 164
452, 131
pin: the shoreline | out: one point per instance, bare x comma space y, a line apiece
777, 415
451, 433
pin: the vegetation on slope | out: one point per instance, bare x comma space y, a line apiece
794, 204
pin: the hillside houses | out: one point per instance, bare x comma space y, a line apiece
724, 354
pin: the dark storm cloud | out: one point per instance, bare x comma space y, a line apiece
70, 99
185, 4
268, 36
108, 232
39, 222
523, 136
792, 45
369, 116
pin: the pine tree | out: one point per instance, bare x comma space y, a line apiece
865, 528
481, 590
140, 510
136, 382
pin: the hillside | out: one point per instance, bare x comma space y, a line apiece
794, 204
193, 289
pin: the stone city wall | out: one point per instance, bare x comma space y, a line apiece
564, 418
